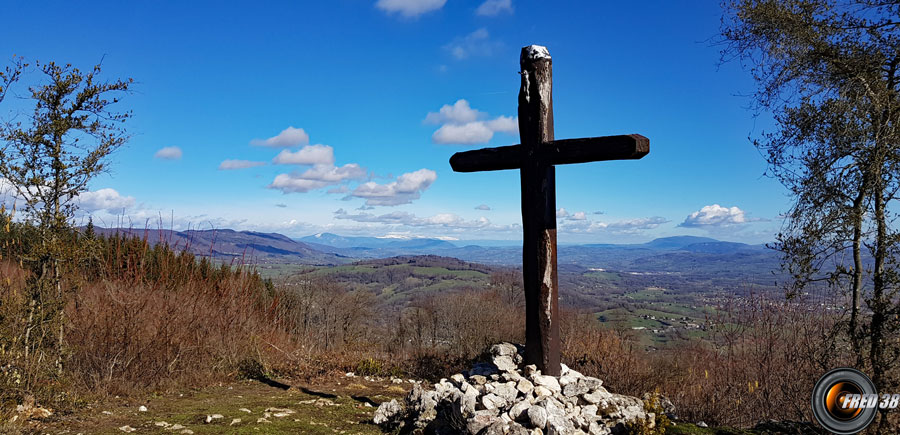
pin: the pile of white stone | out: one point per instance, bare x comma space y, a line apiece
499, 398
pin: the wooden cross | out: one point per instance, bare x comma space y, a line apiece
535, 157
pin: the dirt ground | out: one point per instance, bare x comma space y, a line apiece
339, 406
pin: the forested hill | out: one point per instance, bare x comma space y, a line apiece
228, 245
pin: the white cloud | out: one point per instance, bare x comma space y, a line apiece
493, 7
458, 113
578, 222
168, 153
466, 126
635, 225
288, 137
712, 216
477, 43
238, 164
404, 190
317, 177
308, 155
409, 8
292, 183
402, 218
504, 124
484, 207
104, 199
335, 174
469, 133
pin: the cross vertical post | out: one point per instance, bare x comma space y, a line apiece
538, 179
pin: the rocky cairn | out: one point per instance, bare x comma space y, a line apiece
498, 397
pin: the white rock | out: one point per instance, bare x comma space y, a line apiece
245, 410
541, 391
597, 428
525, 386
519, 409
537, 415
235, 421
386, 411
161, 424
549, 382
458, 379
507, 392
142, 408
350, 375
210, 418
126, 429
492, 401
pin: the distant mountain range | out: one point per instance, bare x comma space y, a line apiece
584, 255
665, 255
227, 245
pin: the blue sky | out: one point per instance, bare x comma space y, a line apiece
340, 116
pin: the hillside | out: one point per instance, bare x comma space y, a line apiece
230, 245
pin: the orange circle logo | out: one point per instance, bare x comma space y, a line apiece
835, 398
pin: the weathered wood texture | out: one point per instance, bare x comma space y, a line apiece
538, 213
557, 152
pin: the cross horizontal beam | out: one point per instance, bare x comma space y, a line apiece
557, 152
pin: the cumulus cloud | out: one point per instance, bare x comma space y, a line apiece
578, 216
561, 213
504, 124
494, 7
317, 177
477, 43
484, 207
104, 199
409, 8
289, 137
404, 190
458, 113
168, 153
238, 164
308, 155
467, 126
469, 133
715, 216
